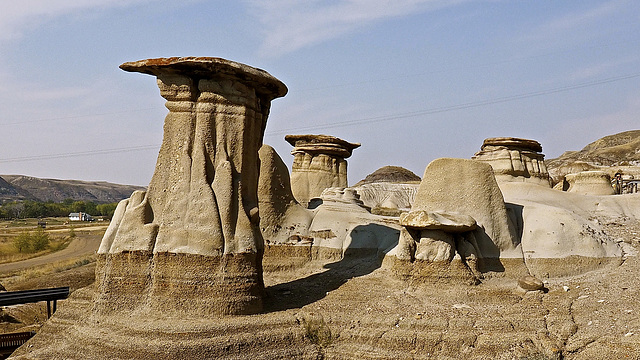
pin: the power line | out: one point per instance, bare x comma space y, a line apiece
80, 153
376, 119
454, 107
76, 117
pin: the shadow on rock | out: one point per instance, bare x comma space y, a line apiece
301, 292
358, 261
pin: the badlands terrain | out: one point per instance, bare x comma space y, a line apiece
354, 307
227, 254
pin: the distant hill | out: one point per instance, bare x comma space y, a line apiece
19, 187
610, 153
394, 174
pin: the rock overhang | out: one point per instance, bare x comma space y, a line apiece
211, 67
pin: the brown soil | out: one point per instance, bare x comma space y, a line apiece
356, 308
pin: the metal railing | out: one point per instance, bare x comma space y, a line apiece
51, 295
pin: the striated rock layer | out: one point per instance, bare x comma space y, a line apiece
193, 238
515, 159
318, 163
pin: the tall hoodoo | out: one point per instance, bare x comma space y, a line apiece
318, 163
193, 237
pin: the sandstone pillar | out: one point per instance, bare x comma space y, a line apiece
192, 243
319, 163
515, 159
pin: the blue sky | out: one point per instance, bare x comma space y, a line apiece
412, 80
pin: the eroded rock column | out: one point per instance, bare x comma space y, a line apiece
515, 159
191, 243
319, 163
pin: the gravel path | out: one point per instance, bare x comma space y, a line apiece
80, 246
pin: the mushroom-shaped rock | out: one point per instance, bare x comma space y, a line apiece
515, 159
318, 163
193, 237
458, 208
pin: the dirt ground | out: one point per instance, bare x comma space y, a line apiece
356, 308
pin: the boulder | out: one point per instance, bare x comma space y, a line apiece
459, 213
468, 187
449, 222
530, 283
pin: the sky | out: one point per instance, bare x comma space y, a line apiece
411, 80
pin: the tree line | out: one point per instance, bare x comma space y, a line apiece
37, 209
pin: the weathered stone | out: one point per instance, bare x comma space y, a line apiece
342, 224
390, 174
449, 222
530, 283
467, 187
387, 195
201, 207
282, 218
515, 159
590, 183
318, 163
435, 245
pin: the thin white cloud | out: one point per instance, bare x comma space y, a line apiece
593, 71
17, 17
578, 22
290, 24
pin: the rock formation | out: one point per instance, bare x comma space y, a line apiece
514, 159
560, 235
193, 237
612, 154
388, 190
390, 174
459, 209
282, 218
318, 163
342, 225
590, 183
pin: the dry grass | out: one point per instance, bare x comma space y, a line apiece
46, 270
9, 253
60, 235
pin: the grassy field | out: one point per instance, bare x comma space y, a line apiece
59, 231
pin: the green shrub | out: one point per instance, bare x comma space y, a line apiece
39, 240
22, 242
32, 242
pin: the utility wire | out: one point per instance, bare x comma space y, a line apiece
368, 120
76, 117
80, 153
453, 107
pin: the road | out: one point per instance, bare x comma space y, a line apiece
80, 246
